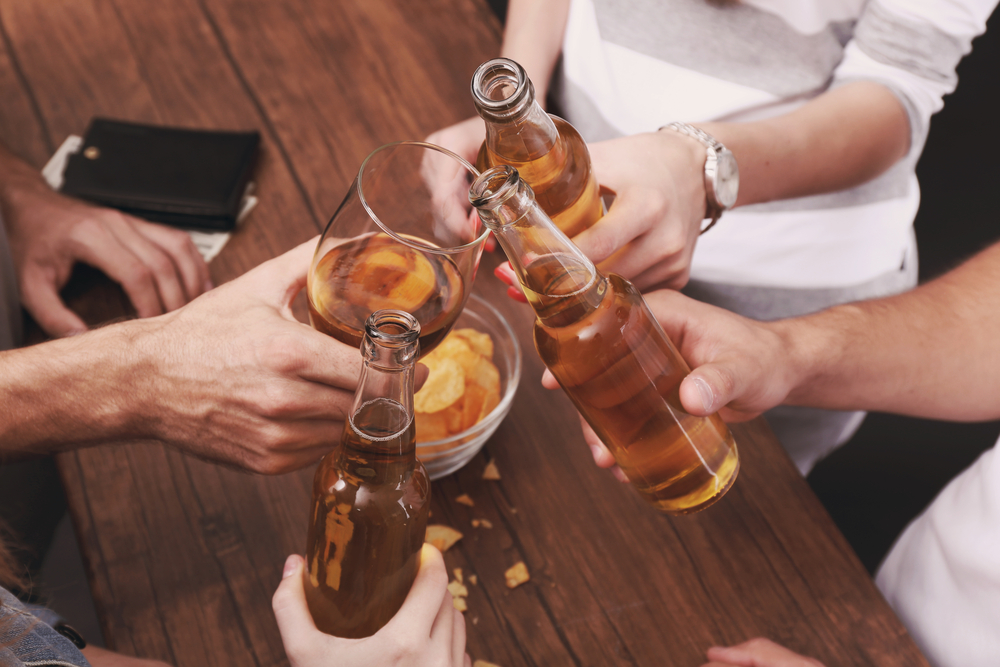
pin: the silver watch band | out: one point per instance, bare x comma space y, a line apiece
713, 146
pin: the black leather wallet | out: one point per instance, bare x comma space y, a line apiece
181, 177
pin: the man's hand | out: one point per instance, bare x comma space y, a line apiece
158, 267
741, 367
757, 652
231, 377
234, 377
427, 631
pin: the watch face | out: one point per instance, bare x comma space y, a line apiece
727, 180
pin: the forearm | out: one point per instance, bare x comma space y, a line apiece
841, 139
533, 37
930, 352
70, 393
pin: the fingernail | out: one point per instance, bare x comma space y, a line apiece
596, 450
76, 332
291, 565
208, 286
707, 398
504, 273
619, 475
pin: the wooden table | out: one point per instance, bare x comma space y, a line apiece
183, 556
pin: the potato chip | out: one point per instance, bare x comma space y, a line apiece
465, 500
453, 416
480, 342
459, 350
472, 405
458, 589
444, 385
431, 426
473, 579
517, 575
459, 604
485, 374
458, 574
485, 523
463, 387
442, 537
490, 472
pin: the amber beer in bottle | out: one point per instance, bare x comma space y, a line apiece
371, 495
601, 342
547, 151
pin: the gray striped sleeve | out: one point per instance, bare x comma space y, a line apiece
919, 48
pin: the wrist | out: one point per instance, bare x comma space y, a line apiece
694, 155
815, 350
95, 401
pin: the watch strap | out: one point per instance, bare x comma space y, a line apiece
713, 146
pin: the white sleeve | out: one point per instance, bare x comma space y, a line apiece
943, 574
913, 47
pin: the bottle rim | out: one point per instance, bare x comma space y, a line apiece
495, 186
392, 328
498, 75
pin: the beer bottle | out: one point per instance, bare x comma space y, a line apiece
371, 495
547, 151
601, 342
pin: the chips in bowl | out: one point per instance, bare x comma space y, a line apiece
462, 388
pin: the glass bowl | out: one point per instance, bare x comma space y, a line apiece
445, 456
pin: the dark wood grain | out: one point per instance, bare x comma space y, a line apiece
184, 556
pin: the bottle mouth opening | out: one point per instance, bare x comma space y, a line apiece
392, 328
500, 85
493, 187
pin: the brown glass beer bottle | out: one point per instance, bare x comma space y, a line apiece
601, 342
547, 151
370, 495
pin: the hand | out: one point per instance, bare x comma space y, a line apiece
650, 231
757, 652
648, 236
234, 377
427, 630
158, 267
99, 657
463, 138
741, 367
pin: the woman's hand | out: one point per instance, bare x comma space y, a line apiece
427, 631
463, 138
758, 652
649, 234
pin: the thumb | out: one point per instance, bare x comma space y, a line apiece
417, 614
625, 220
709, 388
295, 623
41, 299
284, 276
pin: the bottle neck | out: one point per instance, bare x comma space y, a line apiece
517, 128
381, 417
561, 283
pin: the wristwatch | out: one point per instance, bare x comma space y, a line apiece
722, 176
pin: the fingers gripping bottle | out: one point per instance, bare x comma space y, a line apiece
601, 342
547, 151
371, 495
